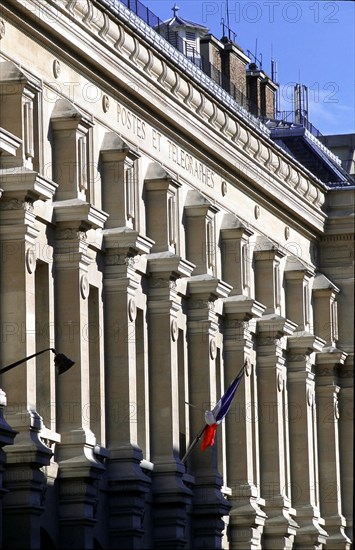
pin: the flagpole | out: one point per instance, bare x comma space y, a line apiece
201, 432
241, 370
195, 441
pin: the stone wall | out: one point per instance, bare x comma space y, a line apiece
158, 238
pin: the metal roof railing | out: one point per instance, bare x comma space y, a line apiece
191, 53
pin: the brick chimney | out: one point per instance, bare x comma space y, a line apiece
211, 49
261, 92
234, 62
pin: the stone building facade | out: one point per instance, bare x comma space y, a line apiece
161, 236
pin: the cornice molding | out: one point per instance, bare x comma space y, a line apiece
274, 172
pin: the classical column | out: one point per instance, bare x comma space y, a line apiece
26, 458
330, 364
247, 518
209, 504
125, 344
280, 527
328, 361
336, 261
79, 466
127, 484
303, 440
170, 495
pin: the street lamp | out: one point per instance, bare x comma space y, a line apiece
61, 361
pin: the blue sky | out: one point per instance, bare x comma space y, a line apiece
313, 43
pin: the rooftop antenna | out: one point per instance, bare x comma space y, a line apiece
273, 70
227, 13
274, 79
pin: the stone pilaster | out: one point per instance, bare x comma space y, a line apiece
171, 496
280, 527
336, 261
209, 504
303, 440
24, 460
127, 484
247, 518
79, 466
327, 390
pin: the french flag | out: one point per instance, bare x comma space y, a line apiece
215, 417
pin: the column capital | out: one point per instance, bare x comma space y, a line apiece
79, 212
328, 366
331, 356
197, 205
233, 228
128, 241
242, 308
322, 286
305, 344
66, 116
114, 149
275, 326
22, 184
297, 270
267, 250
166, 265
207, 287
159, 179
